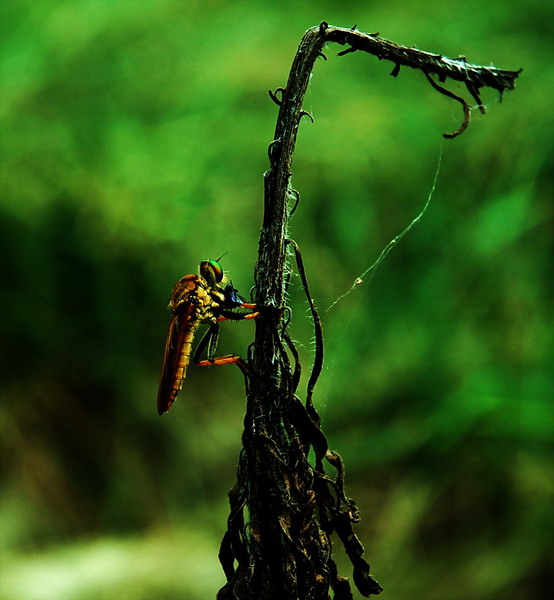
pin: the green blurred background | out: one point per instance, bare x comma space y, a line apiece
134, 138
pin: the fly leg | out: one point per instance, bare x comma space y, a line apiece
211, 338
228, 315
209, 343
228, 359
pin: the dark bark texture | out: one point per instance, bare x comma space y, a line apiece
283, 508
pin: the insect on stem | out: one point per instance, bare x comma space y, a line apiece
196, 300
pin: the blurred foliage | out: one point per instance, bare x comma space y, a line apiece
134, 138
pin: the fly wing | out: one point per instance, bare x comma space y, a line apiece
177, 355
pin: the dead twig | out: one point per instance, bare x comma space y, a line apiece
283, 509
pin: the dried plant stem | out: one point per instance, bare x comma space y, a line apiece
283, 509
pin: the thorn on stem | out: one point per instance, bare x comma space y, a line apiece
296, 195
273, 95
474, 91
305, 113
347, 51
272, 148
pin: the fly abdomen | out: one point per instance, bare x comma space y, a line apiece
183, 360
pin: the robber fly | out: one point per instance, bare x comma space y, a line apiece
195, 300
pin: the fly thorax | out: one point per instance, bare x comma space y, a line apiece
206, 305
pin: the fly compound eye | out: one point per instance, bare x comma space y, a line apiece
211, 270
218, 271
